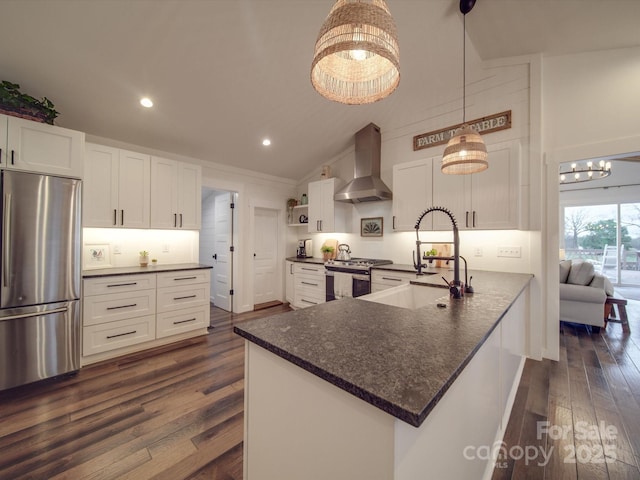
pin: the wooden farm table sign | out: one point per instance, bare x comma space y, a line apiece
491, 123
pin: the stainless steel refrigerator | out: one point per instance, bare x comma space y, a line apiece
39, 277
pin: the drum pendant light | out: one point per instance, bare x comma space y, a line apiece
466, 152
356, 59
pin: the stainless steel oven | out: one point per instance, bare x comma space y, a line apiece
350, 278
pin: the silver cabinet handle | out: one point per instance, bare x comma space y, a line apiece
180, 220
12, 155
474, 219
466, 219
115, 216
308, 301
184, 278
309, 283
309, 269
182, 298
392, 278
175, 219
122, 217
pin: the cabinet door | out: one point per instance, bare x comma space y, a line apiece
326, 215
100, 190
134, 181
411, 194
43, 148
495, 192
449, 192
189, 196
164, 193
289, 291
315, 207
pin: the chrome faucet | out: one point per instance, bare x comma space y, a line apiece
456, 287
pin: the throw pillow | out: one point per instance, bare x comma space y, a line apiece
565, 267
581, 273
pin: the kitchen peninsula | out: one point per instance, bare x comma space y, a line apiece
356, 389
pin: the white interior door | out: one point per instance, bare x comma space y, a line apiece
265, 256
221, 279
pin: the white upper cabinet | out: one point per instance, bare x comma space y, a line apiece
325, 214
489, 200
116, 188
175, 194
40, 147
411, 194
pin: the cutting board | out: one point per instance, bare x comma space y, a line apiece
444, 250
330, 242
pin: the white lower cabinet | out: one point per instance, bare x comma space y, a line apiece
128, 313
113, 335
309, 285
289, 284
383, 279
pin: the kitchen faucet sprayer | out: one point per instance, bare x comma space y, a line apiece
456, 288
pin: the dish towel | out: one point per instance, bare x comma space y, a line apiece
342, 285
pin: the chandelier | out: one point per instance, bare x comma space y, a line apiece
585, 173
466, 152
356, 59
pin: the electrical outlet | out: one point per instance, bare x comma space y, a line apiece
511, 252
117, 250
477, 252
165, 248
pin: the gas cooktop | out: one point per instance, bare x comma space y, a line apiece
357, 263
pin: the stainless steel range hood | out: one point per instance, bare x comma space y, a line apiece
367, 185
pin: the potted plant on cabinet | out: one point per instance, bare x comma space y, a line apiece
431, 253
144, 258
15, 103
327, 252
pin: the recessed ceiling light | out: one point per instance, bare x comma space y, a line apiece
266, 142
146, 102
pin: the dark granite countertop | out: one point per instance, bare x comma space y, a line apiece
176, 267
399, 360
318, 261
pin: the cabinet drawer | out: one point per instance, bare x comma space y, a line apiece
308, 269
118, 306
114, 335
310, 282
183, 320
392, 279
171, 298
185, 277
119, 283
308, 299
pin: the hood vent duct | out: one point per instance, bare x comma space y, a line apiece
367, 185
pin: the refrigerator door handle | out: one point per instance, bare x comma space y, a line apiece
34, 314
6, 235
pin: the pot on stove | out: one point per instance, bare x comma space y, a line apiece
344, 252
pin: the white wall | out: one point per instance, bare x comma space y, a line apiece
167, 246
590, 109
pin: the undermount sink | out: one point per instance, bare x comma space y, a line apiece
408, 296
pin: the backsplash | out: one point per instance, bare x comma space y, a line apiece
121, 246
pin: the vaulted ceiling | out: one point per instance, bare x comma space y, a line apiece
224, 74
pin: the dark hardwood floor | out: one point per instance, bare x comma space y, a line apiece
177, 412
172, 413
583, 412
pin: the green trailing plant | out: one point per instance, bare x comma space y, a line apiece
12, 99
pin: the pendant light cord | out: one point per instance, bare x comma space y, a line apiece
464, 67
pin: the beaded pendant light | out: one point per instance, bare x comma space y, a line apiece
356, 59
466, 152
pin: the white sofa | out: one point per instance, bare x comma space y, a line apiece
583, 293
